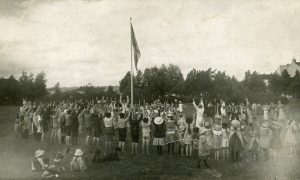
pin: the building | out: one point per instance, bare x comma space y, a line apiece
291, 68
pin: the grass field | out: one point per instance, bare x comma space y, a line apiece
16, 155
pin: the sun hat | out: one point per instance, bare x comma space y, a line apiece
217, 127
203, 131
39, 153
265, 125
206, 124
158, 120
235, 123
78, 152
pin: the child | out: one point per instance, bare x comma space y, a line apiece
225, 144
77, 163
265, 137
109, 130
181, 123
159, 133
203, 152
195, 142
122, 121
217, 140
38, 164
49, 171
253, 142
275, 142
170, 132
58, 162
187, 140
146, 133
236, 144
290, 138
54, 126
17, 126
134, 120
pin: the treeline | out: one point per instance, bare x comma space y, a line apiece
28, 86
167, 83
88, 92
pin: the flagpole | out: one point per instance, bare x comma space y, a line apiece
131, 66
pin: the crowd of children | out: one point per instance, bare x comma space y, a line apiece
216, 131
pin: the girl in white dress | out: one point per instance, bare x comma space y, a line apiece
290, 138
266, 111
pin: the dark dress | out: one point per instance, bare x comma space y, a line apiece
135, 126
235, 143
74, 124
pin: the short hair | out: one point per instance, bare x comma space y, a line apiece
196, 130
122, 115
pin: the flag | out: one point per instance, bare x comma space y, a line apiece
136, 50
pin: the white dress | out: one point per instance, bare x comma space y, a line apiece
290, 138
265, 113
199, 117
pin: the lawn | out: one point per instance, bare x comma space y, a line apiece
16, 155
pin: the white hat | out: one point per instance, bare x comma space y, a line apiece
217, 127
158, 120
78, 152
203, 131
235, 123
39, 153
155, 111
265, 125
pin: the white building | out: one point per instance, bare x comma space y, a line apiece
291, 68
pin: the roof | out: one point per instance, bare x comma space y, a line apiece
298, 63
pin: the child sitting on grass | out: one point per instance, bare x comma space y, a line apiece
38, 163
58, 162
77, 163
49, 170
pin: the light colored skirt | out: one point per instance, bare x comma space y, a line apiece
158, 142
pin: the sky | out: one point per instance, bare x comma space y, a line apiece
76, 42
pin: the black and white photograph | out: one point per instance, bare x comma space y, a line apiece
150, 89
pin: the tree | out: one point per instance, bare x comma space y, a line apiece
40, 85
295, 85
285, 82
